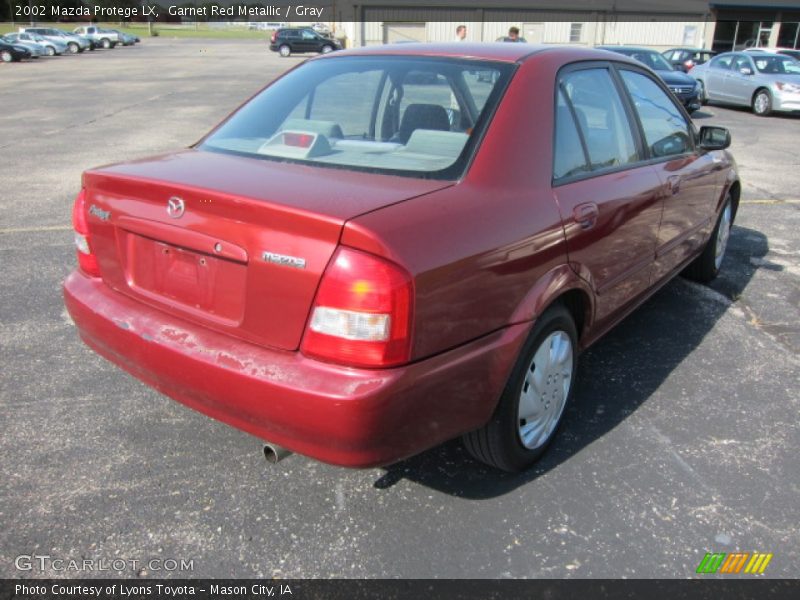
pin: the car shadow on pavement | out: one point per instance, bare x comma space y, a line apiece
616, 375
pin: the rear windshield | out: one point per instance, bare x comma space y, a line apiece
414, 116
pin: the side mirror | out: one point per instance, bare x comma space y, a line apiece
714, 138
746, 71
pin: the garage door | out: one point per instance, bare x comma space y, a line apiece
403, 32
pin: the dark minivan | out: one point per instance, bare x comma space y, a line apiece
304, 39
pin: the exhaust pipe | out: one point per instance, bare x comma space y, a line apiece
274, 453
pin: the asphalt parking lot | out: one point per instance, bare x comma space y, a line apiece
683, 439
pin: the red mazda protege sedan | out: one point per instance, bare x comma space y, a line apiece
390, 247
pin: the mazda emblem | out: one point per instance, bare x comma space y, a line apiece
175, 207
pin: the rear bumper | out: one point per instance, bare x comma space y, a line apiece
339, 415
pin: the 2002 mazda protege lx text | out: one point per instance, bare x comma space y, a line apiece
393, 246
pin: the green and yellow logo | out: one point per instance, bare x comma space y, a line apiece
721, 562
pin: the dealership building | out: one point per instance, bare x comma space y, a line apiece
720, 25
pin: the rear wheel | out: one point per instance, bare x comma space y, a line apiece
73, 47
51, 51
105, 43
701, 93
284, 50
536, 394
707, 266
762, 103
6, 56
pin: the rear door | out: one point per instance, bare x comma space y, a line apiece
740, 85
608, 196
718, 70
689, 177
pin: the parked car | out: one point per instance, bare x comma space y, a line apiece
301, 39
35, 49
102, 38
679, 83
764, 81
53, 47
125, 39
345, 272
321, 28
684, 59
13, 52
795, 54
75, 43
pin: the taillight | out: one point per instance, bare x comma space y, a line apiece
274, 36
87, 261
689, 64
362, 313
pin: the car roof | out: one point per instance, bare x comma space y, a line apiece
688, 49
494, 51
628, 49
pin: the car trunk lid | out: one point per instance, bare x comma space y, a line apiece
233, 243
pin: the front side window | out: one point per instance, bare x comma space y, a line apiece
742, 62
601, 117
414, 116
666, 131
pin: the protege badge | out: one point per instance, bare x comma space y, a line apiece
103, 215
285, 260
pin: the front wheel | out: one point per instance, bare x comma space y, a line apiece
706, 267
73, 47
762, 103
51, 51
536, 394
284, 51
327, 49
6, 56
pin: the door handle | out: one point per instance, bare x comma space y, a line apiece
674, 184
586, 214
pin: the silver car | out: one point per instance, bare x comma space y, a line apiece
764, 81
75, 43
52, 47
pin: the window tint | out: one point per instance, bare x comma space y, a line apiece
601, 118
666, 131
334, 101
721, 62
307, 35
569, 158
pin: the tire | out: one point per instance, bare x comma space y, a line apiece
74, 48
326, 49
51, 51
706, 267
105, 43
511, 443
762, 103
701, 93
6, 56
284, 50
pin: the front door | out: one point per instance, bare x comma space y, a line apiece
689, 178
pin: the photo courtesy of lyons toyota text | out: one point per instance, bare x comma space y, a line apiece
400, 299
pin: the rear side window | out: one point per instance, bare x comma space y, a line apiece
601, 118
666, 131
721, 62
